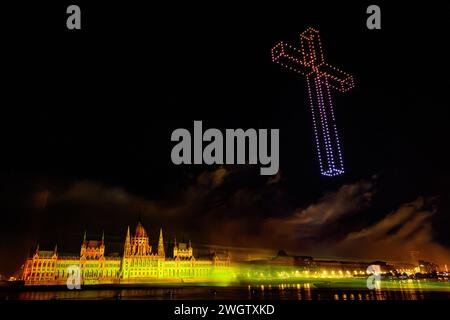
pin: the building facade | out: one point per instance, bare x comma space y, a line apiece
140, 263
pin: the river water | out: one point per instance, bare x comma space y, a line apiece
288, 291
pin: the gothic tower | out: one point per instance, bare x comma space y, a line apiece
161, 244
127, 247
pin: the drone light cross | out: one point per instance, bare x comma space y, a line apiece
320, 77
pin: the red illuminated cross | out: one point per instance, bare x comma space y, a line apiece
320, 77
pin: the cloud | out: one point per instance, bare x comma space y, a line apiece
218, 209
212, 179
274, 179
305, 229
347, 200
88, 192
96, 206
408, 228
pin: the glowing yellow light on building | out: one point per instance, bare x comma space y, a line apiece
139, 263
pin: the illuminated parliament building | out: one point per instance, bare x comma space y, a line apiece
140, 263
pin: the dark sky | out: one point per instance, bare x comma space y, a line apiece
87, 117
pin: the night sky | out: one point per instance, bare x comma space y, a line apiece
87, 117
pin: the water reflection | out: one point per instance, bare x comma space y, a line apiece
406, 290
